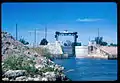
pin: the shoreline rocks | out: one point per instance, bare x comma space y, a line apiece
14, 73
32, 66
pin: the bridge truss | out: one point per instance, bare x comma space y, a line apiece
57, 34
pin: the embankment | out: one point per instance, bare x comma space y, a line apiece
20, 63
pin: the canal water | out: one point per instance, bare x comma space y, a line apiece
84, 69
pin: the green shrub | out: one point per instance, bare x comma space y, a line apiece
24, 42
43, 42
14, 62
47, 69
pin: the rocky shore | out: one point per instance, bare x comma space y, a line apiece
20, 63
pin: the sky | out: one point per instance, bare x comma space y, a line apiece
82, 17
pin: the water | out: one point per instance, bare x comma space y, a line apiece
83, 69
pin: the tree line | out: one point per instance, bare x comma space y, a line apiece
98, 40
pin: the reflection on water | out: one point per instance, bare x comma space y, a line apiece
79, 69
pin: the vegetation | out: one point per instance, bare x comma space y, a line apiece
111, 44
43, 52
24, 42
47, 69
15, 62
69, 43
99, 40
65, 44
43, 42
77, 44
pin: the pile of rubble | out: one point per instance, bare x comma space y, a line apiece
10, 47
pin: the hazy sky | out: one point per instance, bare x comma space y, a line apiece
84, 18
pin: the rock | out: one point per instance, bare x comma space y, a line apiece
51, 66
36, 55
14, 73
11, 46
37, 79
5, 79
50, 76
21, 78
37, 66
30, 79
44, 79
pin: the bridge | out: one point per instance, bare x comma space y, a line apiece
81, 51
67, 49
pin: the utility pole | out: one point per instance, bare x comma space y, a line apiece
35, 37
46, 32
34, 32
98, 36
89, 38
98, 32
16, 31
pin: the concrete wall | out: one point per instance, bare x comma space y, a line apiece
54, 48
81, 51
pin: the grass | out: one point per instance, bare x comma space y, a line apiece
43, 52
14, 62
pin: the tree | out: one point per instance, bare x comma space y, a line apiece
43, 42
78, 44
68, 42
111, 44
99, 40
104, 43
23, 41
65, 44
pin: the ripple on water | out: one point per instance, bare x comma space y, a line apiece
89, 69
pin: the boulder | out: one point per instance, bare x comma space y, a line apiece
50, 76
14, 73
21, 78
37, 79
39, 66
30, 79
44, 79
5, 79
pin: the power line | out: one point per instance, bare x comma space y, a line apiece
35, 36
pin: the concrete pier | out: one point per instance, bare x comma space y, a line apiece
107, 52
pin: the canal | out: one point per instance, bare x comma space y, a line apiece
84, 69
